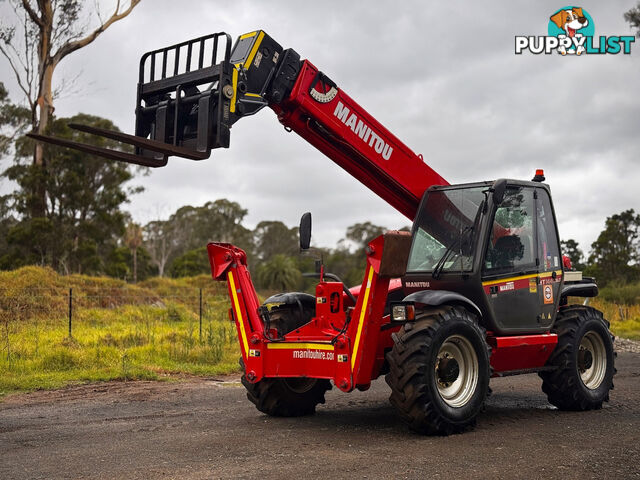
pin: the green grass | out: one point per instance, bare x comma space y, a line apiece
144, 331
621, 306
120, 332
624, 319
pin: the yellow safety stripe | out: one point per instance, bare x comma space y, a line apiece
253, 95
361, 321
234, 81
254, 50
521, 277
236, 307
300, 346
247, 35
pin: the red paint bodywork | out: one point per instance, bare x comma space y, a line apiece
355, 355
401, 180
523, 352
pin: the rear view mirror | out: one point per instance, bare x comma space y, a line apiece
499, 187
305, 231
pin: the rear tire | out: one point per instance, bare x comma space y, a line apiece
439, 371
583, 360
286, 397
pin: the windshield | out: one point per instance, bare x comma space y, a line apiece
444, 231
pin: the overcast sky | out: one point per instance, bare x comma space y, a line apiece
442, 76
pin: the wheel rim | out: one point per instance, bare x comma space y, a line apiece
592, 360
299, 385
456, 392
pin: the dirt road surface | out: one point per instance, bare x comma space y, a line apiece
203, 428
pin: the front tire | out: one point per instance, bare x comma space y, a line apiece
286, 397
439, 371
583, 360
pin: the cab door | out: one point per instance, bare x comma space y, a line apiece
510, 270
549, 259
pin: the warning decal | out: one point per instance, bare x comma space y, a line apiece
548, 294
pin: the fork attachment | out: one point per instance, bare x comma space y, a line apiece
184, 98
190, 94
182, 107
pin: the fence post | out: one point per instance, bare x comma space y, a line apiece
70, 309
201, 315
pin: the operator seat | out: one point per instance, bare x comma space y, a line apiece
506, 250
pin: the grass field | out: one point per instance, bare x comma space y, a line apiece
119, 331
624, 319
146, 331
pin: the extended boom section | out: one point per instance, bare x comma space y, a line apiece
190, 94
328, 118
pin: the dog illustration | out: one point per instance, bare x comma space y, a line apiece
570, 21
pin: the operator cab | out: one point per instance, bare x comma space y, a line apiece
492, 246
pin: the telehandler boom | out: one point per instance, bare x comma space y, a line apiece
478, 289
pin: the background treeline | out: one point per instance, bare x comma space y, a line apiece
84, 229
66, 209
68, 213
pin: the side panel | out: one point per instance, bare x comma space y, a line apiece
519, 354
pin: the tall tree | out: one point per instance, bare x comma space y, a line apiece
279, 273
82, 216
13, 120
163, 239
194, 262
570, 249
7, 221
43, 33
191, 228
633, 17
273, 238
133, 240
362, 233
616, 252
219, 221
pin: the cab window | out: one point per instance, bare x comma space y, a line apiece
511, 245
548, 248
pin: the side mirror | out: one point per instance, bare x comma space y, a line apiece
499, 187
305, 231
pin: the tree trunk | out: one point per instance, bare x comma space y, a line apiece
44, 103
135, 265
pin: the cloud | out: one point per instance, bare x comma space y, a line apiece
442, 76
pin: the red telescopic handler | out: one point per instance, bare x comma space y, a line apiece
478, 289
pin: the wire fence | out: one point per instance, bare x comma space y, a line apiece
61, 328
48, 304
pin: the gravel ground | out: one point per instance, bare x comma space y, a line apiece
206, 428
625, 345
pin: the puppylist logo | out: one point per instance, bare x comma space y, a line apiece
571, 32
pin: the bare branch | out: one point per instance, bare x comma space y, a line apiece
96, 6
32, 14
17, 74
7, 140
69, 86
70, 47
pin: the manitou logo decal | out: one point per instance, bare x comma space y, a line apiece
418, 285
571, 32
363, 131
